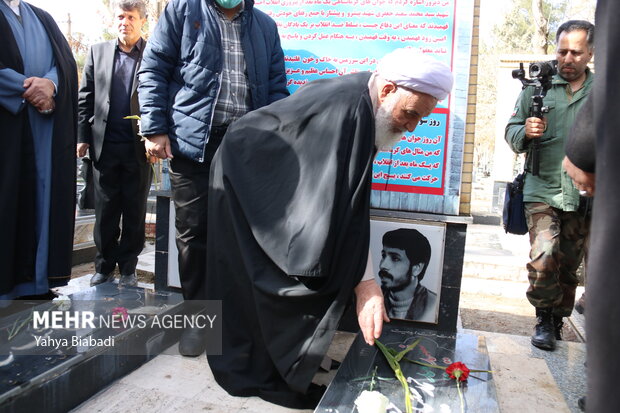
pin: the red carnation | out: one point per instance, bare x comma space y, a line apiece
120, 312
458, 371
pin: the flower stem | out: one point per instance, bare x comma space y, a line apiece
393, 362
16, 328
373, 380
458, 387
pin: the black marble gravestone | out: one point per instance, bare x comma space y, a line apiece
439, 345
430, 387
452, 270
36, 372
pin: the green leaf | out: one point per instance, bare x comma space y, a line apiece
434, 366
397, 371
410, 347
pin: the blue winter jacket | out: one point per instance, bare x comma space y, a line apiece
179, 77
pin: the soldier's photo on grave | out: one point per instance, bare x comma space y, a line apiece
407, 263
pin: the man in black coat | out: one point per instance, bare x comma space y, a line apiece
121, 172
207, 63
38, 102
289, 204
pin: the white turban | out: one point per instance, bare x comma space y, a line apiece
417, 71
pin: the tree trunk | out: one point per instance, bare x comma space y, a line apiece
541, 31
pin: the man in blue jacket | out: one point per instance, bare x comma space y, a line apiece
207, 64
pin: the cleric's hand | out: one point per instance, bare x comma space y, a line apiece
40, 94
370, 310
159, 146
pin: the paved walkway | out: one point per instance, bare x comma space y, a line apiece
527, 379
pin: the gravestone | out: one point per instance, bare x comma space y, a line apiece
36, 371
439, 345
430, 387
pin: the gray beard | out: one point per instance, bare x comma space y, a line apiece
385, 135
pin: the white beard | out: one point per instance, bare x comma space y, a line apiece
385, 134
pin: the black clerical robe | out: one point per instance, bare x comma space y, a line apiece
288, 233
603, 282
17, 234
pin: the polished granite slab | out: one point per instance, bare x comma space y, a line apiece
37, 371
430, 387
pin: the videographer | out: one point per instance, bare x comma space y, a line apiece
557, 229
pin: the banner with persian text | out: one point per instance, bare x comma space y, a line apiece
324, 38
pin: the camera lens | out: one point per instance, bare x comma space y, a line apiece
542, 69
536, 69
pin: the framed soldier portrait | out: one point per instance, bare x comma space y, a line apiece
407, 259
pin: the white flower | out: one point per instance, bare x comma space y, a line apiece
371, 402
63, 302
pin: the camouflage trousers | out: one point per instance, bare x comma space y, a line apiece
558, 242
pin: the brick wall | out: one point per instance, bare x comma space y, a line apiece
470, 122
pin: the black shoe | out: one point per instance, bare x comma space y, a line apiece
582, 403
193, 342
544, 332
48, 296
558, 324
100, 278
128, 280
293, 400
580, 305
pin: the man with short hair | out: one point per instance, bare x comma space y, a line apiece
121, 172
404, 261
558, 229
207, 63
38, 101
289, 224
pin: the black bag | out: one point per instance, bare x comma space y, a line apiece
514, 210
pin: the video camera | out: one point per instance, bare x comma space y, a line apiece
540, 78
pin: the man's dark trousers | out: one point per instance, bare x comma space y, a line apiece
190, 185
122, 185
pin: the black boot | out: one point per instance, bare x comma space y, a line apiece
544, 332
557, 324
